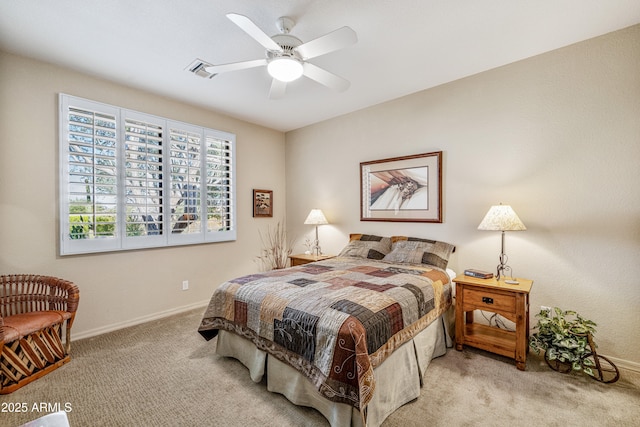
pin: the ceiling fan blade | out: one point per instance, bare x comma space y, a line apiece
278, 89
254, 31
326, 78
338, 39
223, 68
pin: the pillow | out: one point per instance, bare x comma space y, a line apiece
367, 246
412, 250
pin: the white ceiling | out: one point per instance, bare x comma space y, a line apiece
404, 46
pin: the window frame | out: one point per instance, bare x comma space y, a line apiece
121, 241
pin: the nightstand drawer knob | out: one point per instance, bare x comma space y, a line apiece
487, 300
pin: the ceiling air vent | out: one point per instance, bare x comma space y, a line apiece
198, 66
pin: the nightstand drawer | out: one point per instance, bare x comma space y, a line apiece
480, 299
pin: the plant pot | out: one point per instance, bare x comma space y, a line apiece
558, 365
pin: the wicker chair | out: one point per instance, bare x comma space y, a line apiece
33, 310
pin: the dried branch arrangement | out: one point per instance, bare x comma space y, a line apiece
276, 248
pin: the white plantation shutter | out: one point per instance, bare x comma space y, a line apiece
143, 182
133, 180
89, 165
202, 178
220, 171
186, 161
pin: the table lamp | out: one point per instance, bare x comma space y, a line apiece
316, 217
502, 218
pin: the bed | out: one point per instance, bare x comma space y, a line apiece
350, 336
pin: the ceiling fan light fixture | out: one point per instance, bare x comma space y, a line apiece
285, 69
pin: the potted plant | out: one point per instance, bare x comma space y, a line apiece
563, 336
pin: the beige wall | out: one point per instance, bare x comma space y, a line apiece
556, 136
124, 287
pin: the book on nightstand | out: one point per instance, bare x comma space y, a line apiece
478, 273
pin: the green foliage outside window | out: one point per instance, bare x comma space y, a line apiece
82, 224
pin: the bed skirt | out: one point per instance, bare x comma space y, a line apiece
398, 379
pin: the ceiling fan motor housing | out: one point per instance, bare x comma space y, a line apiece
288, 43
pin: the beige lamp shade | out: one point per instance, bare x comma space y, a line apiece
501, 218
316, 217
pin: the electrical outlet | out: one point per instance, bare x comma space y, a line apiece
185, 285
544, 307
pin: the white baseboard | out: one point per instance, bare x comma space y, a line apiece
132, 322
625, 364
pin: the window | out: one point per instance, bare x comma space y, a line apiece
132, 180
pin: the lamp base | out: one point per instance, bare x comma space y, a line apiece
501, 270
503, 267
316, 245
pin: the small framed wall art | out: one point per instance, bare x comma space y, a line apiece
405, 188
262, 203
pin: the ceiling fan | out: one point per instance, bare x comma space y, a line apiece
286, 56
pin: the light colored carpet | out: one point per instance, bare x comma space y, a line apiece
164, 374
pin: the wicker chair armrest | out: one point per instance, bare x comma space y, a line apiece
21, 293
68, 289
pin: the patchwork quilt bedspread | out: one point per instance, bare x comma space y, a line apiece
334, 320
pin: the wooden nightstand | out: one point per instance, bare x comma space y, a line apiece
302, 259
510, 301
